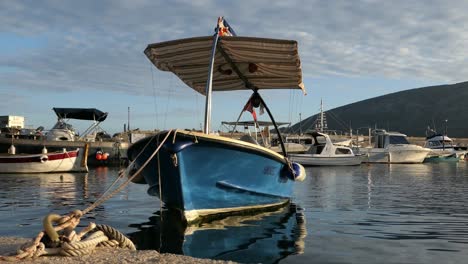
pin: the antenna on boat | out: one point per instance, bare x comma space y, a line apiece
300, 124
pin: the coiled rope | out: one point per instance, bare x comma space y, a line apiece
62, 240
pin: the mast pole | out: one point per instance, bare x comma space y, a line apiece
128, 119
300, 125
321, 115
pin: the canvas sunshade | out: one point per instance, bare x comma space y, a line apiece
265, 63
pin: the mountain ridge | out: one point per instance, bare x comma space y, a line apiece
409, 111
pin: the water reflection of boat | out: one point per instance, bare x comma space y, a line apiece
260, 238
27, 198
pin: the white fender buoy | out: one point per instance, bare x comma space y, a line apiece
299, 171
12, 150
44, 158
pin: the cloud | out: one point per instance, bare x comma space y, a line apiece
98, 45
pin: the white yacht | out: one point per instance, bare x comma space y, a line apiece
442, 147
393, 147
324, 153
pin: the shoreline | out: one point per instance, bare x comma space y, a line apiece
9, 245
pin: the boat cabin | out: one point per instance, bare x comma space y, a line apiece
323, 145
382, 139
438, 142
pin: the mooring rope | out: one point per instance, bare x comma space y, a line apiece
69, 243
123, 185
123, 173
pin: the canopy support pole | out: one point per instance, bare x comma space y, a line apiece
209, 84
280, 138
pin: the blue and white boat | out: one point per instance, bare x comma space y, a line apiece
205, 174
443, 149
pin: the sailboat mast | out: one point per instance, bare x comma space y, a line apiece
321, 115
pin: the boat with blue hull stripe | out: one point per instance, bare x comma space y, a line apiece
201, 173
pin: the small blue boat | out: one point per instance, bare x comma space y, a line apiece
204, 174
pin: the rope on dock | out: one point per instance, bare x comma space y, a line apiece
62, 240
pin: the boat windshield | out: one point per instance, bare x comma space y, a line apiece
398, 140
446, 143
342, 151
63, 125
439, 143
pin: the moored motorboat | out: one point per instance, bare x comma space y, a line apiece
46, 162
102, 150
205, 174
324, 153
393, 147
443, 149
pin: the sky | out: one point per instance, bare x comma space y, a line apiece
89, 54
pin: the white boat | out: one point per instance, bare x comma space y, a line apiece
60, 161
63, 131
393, 147
102, 148
442, 148
324, 153
261, 135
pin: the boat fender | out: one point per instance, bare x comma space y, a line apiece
44, 158
299, 171
294, 172
99, 155
12, 150
105, 156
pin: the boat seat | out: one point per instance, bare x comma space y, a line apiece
250, 139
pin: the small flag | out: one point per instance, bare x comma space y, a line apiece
249, 107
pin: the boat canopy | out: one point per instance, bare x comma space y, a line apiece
240, 62
80, 113
253, 123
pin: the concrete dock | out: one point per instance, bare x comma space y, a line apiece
9, 245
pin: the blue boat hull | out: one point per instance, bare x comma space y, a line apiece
208, 175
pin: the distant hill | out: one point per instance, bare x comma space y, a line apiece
409, 112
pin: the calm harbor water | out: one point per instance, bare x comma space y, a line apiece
364, 214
